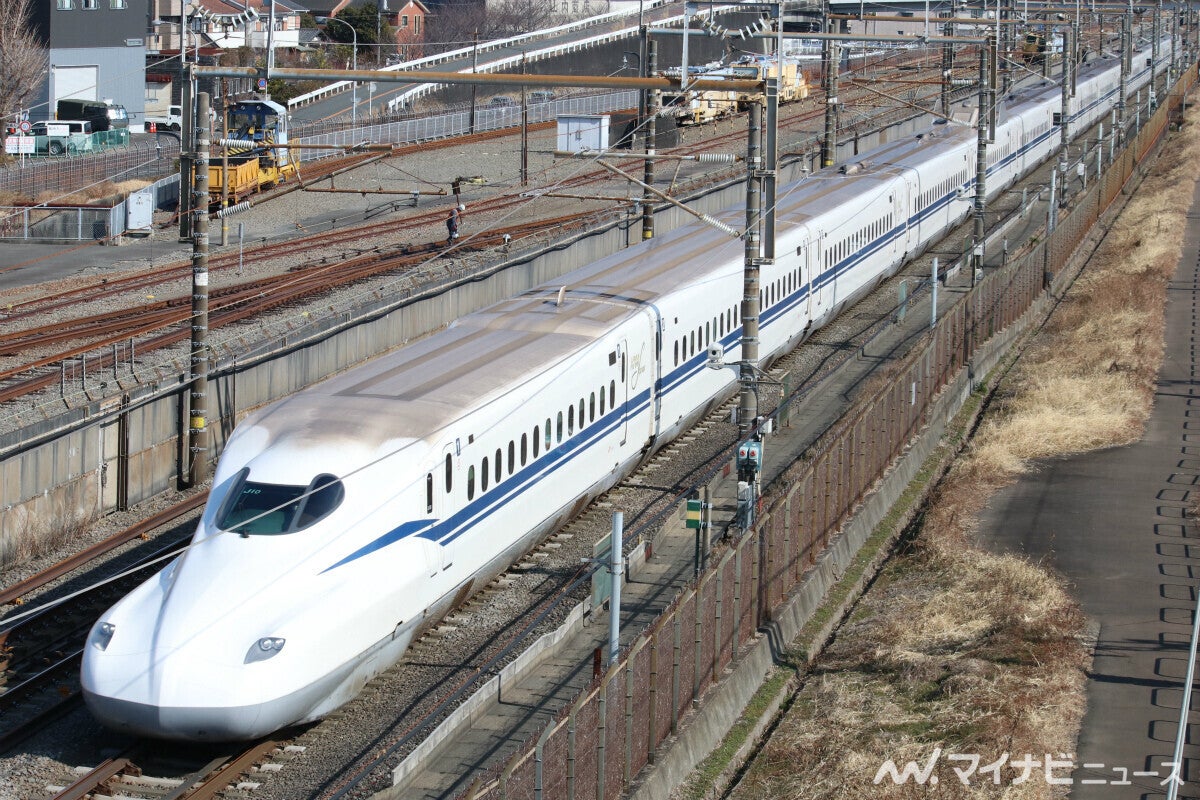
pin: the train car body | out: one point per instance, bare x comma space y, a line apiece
345, 519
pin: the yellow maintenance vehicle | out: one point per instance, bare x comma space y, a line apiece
256, 162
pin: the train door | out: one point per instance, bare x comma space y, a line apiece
622, 354
905, 200
815, 260
806, 277
645, 370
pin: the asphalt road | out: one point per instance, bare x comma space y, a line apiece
1116, 524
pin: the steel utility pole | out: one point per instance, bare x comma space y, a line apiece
1125, 64
474, 69
748, 401
524, 128
651, 145
187, 100
1064, 127
980, 167
948, 61
832, 53
197, 467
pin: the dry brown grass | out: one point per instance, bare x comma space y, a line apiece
102, 193
971, 652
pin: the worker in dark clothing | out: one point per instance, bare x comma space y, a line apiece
452, 225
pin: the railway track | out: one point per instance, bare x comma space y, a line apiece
171, 773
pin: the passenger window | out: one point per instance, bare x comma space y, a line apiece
548, 442
471, 482
429, 493
537, 441
499, 464
449, 474
612, 394
592, 408
581, 417
512, 457
483, 475
558, 428
571, 421
524, 448
677, 352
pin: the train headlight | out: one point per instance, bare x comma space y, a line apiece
265, 648
103, 635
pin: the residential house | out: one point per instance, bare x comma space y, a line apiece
224, 24
407, 21
409, 24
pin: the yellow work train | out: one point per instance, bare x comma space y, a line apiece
257, 128
697, 107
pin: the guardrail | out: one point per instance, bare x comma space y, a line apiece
482, 47
406, 99
495, 66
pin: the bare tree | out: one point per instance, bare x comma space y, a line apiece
23, 58
458, 21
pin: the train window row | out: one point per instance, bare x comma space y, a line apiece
943, 188
834, 254
782, 286
493, 469
1034, 133
692, 342
998, 154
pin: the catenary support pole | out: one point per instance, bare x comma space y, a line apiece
187, 145
748, 401
198, 396
981, 140
651, 135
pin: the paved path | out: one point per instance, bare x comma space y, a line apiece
1113, 522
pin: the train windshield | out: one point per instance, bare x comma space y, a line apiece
272, 508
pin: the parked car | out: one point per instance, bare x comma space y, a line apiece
62, 136
541, 97
501, 101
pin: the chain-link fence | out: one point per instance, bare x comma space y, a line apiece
32, 177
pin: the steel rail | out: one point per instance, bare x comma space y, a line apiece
94, 780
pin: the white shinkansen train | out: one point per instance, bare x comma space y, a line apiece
345, 519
